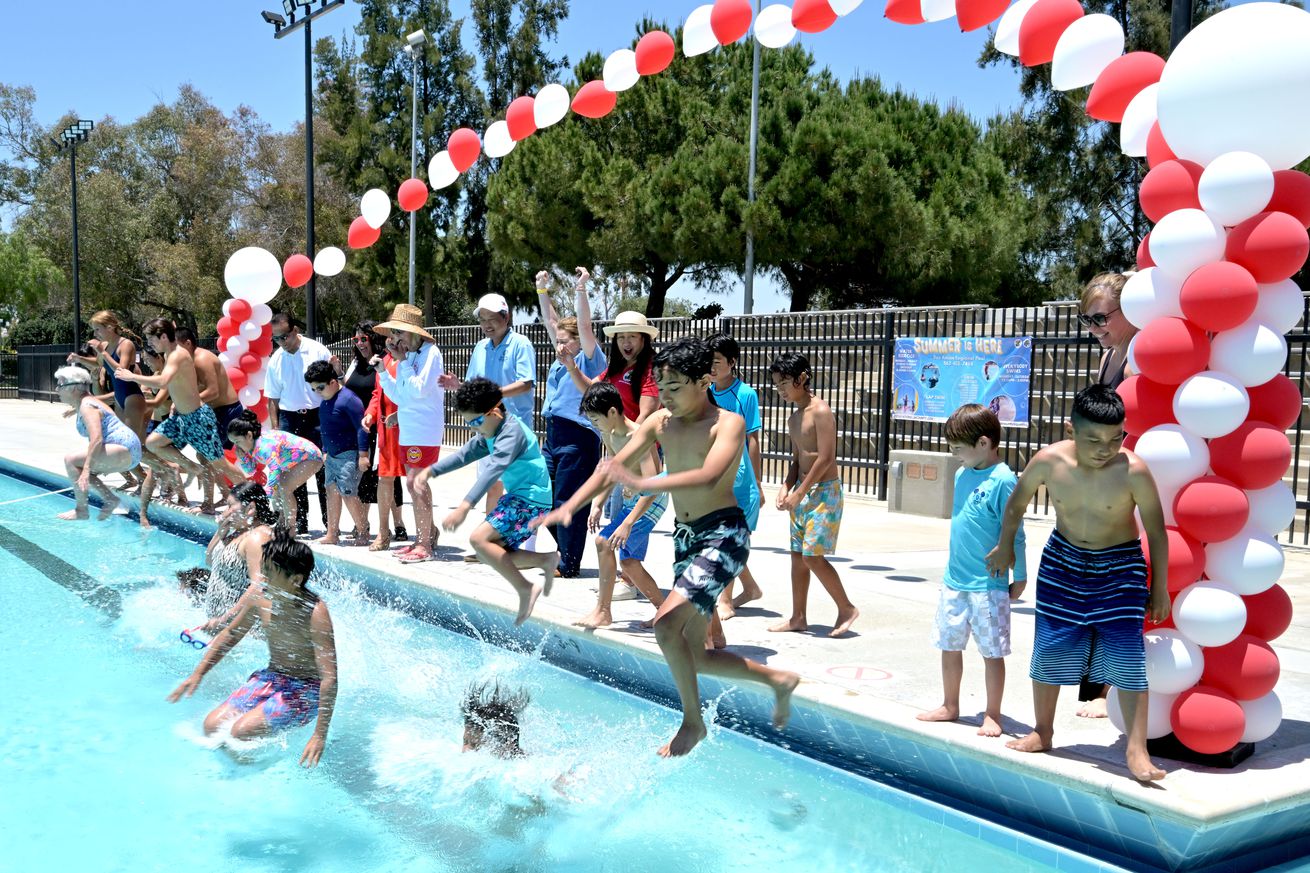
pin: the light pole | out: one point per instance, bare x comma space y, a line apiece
748, 304
281, 28
72, 135
413, 47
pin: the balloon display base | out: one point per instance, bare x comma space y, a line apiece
1168, 746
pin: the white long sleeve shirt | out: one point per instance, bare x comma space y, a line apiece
419, 398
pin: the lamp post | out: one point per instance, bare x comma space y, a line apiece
748, 303
72, 135
282, 27
413, 47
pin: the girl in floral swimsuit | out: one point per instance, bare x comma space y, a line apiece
288, 460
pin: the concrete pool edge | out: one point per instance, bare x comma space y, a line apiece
1109, 819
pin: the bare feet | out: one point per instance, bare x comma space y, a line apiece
747, 595
108, 504
74, 515
844, 622
527, 600
145, 522
329, 539
795, 623
991, 727
782, 690
597, 618
726, 610
941, 713
1034, 742
684, 740
1093, 709
1141, 766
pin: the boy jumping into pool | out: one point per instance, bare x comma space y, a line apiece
300, 680
1091, 584
702, 448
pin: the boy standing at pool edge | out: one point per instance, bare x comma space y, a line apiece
300, 680
702, 449
1091, 584
973, 599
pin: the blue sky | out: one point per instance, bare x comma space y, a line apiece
118, 59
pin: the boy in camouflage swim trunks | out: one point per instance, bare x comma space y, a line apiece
702, 448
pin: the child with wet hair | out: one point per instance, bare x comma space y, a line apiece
491, 719
193, 582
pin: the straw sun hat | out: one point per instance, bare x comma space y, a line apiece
405, 318
631, 322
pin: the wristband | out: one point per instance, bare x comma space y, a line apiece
543, 290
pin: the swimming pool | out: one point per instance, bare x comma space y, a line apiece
101, 774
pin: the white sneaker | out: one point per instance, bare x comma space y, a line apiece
624, 591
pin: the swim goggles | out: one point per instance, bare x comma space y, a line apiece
186, 637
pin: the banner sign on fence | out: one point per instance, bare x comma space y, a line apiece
933, 376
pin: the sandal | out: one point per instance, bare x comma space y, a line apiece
401, 533
416, 555
381, 544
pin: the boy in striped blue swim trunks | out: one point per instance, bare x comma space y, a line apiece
1092, 595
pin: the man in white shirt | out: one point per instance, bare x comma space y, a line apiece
290, 402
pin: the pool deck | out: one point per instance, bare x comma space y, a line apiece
886, 670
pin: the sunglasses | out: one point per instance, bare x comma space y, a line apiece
278, 337
1099, 319
477, 422
318, 389
194, 643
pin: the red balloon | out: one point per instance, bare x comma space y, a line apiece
1144, 253
594, 100
227, 327
266, 331
1254, 456
1268, 614
1246, 668
296, 271
1291, 195
1169, 186
1168, 350
1157, 150
1130, 441
904, 11
240, 310
413, 195
1218, 296
1207, 720
1042, 27
1120, 82
1211, 509
1147, 404
262, 347
260, 409
812, 16
730, 19
519, 118
655, 52
973, 14
464, 148
360, 235
1277, 401
1272, 245
1186, 560
237, 377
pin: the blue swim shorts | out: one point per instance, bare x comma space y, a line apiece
510, 519
288, 701
342, 470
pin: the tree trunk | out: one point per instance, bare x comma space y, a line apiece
802, 292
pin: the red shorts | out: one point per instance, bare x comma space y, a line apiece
420, 456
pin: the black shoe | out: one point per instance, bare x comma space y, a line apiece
401, 533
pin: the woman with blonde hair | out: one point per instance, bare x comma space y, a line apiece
1099, 313
115, 347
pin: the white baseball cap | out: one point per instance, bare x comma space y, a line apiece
491, 303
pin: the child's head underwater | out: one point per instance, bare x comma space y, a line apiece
491, 719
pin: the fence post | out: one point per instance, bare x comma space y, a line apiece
885, 417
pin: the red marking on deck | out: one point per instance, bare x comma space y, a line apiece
859, 673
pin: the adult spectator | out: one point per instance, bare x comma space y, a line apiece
381, 484
631, 351
217, 393
292, 405
572, 449
420, 401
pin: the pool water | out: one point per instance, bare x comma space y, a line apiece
100, 773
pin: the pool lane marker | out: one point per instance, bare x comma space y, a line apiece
57, 570
34, 496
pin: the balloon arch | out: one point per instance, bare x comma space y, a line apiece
1221, 126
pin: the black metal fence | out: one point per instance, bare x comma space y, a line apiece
36, 370
8, 375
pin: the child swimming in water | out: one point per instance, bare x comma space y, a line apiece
491, 719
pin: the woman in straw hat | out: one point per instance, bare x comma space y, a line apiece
420, 411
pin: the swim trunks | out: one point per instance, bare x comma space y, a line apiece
420, 456
1087, 596
985, 613
510, 519
708, 554
638, 541
817, 519
288, 701
225, 416
198, 429
342, 470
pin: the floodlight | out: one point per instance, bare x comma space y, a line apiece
274, 19
416, 39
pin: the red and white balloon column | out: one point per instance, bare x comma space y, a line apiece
253, 277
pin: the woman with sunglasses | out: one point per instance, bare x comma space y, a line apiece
381, 485
235, 553
1101, 316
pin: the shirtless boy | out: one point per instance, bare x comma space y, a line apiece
812, 494
217, 393
1091, 585
300, 681
702, 448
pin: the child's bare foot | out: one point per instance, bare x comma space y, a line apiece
145, 522
329, 539
527, 600
726, 610
795, 623
1142, 767
596, 618
782, 690
991, 727
941, 713
748, 593
1034, 742
74, 515
844, 622
1095, 708
108, 504
684, 740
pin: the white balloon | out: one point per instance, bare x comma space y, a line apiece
1252, 353
227, 306
1186, 239
329, 261
441, 169
1150, 294
1263, 716
1173, 663
773, 27
1007, 30
1211, 404
1084, 50
227, 359
248, 395
375, 206
1280, 305
497, 141
1159, 709
256, 379
1209, 613
936, 10
261, 314
236, 347
250, 331
620, 71
1139, 118
1238, 83
253, 274
550, 105
1132, 355
1248, 563
1272, 508
1235, 186
1173, 455
697, 34
844, 7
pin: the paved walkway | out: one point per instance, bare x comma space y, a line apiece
885, 669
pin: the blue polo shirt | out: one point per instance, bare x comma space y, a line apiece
514, 360
562, 396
